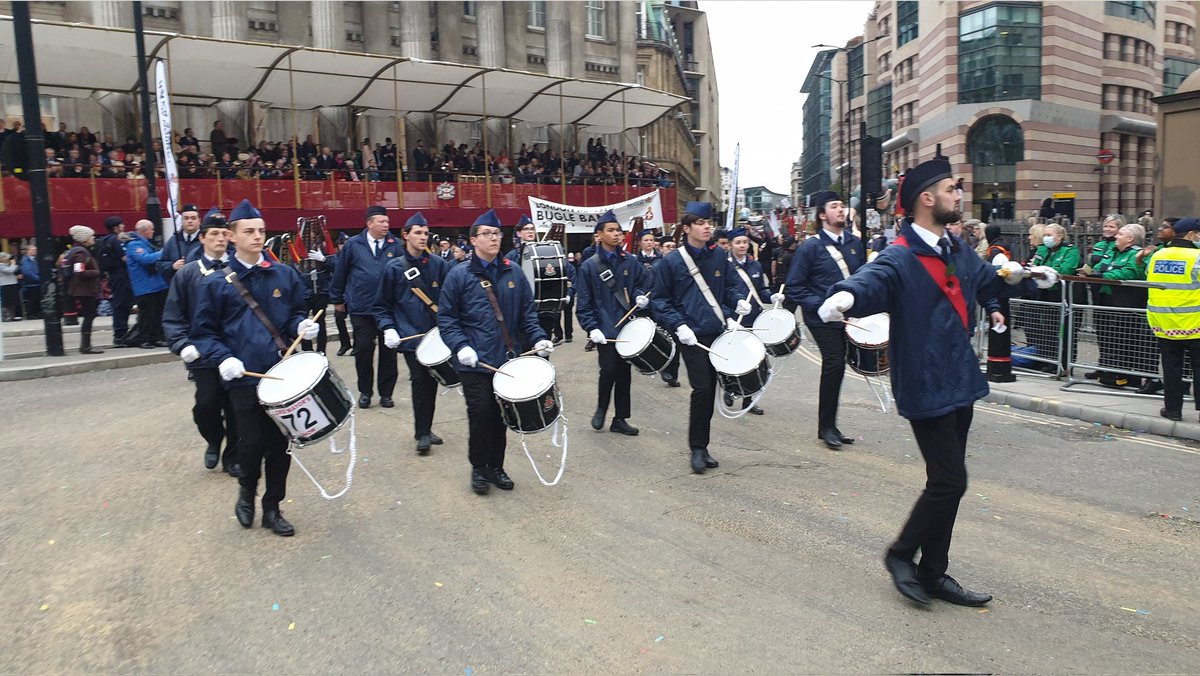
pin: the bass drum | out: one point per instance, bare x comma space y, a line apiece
527, 393
646, 345
433, 354
778, 330
740, 360
310, 402
545, 266
866, 344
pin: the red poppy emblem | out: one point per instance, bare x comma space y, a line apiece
264, 263
391, 241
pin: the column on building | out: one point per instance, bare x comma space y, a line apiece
229, 22
627, 40
558, 39
118, 114
1145, 179
329, 32
1126, 202
377, 39
489, 23
416, 42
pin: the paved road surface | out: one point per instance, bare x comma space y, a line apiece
119, 552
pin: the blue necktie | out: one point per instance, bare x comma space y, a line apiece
378, 247
945, 247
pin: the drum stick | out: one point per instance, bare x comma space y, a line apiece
415, 335
631, 311
254, 374
423, 297
495, 370
296, 342
847, 322
709, 350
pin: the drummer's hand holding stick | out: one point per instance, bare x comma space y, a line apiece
742, 309
307, 329
777, 298
391, 338
835, 307
543, 347
189, 354
597, 336
639, 303
231, 368
687, 336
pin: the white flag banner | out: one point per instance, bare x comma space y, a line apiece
163, 97
582, 220
773, 223
733, 188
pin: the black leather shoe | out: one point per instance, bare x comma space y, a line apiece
387, 402
568, 339
437, 441
904, 575
1092, 375
274, 520
234, 470
478, 483
244, 509
842, 437
1151, 387
147, 345
90, 350
364, 401
949, 590
423, 445
709, 461
342, 351
498, 477
598, 419
211, 455
698, 465
589, 347
1170, 415
755, 410
621, 427
832, 439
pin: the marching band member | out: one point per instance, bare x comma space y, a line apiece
935, 374
679, 304
356, 281
400, 309
610, 282
183, 246
831, 256
526, 233
752, 285
316, 291
670, 373
648, 254
227, 331
486, 316
213, 409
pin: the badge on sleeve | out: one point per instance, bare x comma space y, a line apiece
511, 285
716, 273
276, 293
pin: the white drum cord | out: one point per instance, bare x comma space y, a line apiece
883, 393
734, 414
562, 463
335, 450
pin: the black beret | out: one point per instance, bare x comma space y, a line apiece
112, 222
918, 179
820, 199
189, 207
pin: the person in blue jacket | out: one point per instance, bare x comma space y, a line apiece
339, 316
752, 284
400, 312
475, 336
183, 245
670, 373
213, 409
356, 281
930, 285
526, 233
831, 256
149, 287
678, 304
31, 284
609, 284
226, 332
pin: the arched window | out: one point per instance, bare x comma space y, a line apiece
995, 145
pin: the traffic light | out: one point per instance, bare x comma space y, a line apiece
872, 166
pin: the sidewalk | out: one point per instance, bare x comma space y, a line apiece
24, 352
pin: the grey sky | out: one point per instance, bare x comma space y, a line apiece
762, 52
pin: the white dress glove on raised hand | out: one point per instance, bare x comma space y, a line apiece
391, 338
835, 306
308, 329
189, 354
544, 348
597, 337
467, 357
316, 255
1012, 272
231, 369
743, 307
778, 298
732, 324
685, 334
1050, 276
641, 301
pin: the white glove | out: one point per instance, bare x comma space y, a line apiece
778, 298
316, 255
544, 348
308, 329
685, 334
391, 338
834, 307
231, 369
743, 307
189, 354
641, 302
597, 337
1051, 276
467, 357
733, 324
1012, 271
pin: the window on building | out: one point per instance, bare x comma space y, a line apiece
885, 62
1175, 71
1000, 53
907, 13
884, 26
469, 9
262, 16
1131, 9
595, 18
855, 68
537, 14
641, 75
879, 112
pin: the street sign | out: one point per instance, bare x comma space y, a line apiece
1106, 156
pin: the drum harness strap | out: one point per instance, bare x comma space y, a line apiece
491, 295
746, 280
417, 284
704, 290
839, 259
232, 278
610, 280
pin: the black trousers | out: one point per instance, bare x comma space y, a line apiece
671, 370
213, 413
831, 341
150, 311
549, 324
568, 323
1173, 352
339, 320
487, 434
122, 302
319, 301
424, 395
614, 373
87, 312
260, 443
31, 301
703, 379
943, 444
365, 335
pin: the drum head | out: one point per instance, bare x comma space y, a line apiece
869, 331
775, 325
637, 333
300, 373
737, 352
431, 351
527, 377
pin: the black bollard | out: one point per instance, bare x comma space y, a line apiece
999, 357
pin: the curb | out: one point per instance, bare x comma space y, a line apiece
15, 373
1066, 409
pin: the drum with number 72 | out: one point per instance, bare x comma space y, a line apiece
310, 402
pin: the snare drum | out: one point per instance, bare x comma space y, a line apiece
740, 359
778, 330
310, 403
544, 265
647, 345
433, 354
866, 344
528, 396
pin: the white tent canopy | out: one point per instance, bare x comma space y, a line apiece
80, 61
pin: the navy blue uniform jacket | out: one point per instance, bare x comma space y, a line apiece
813, 271
754, 271
358, 273
224, 326
677, 300
934, 367
173, 250
466, 319
596, 307
179, 312
397, 307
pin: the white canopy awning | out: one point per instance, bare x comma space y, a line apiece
79, 60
